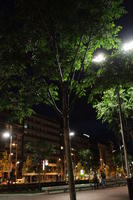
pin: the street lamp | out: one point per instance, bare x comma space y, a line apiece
127, 46
7, 135
16, 157
101, 58
86, 135
71, 134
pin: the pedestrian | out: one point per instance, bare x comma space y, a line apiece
103, 178
95, 180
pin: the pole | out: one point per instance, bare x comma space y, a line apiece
122, 133
9, 171
16, 162
121, 159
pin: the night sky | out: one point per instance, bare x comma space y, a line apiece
83, 116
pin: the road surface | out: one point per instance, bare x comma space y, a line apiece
119, 193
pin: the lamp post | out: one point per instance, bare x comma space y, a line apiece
101, 58
7, 135
16, 157
71, 134
126, 48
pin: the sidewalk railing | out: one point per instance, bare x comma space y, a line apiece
79, 187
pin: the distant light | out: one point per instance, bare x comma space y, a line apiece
46, 162
59, 159
11, 154
82, 173
43, 165
61, 147
25, 126
88, 136
114, 151
99, 58
128, 46
132, 162
18, 162
6, 135
13, 144
71, 134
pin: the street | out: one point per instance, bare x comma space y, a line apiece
119, 193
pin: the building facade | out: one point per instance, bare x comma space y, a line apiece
36, 130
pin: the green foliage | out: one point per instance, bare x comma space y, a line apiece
107, 107
89, 159
36, 152
39, 150
51, 42
115, 71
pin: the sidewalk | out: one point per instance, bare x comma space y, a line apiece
119, 193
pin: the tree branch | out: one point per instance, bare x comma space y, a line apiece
58, 62
76, 52
54, 103
80, 72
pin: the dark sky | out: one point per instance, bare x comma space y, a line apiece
127, 22
83, 116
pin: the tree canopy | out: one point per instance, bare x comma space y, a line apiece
51, 44
45, 43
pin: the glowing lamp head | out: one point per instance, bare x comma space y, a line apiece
6, 135
99, 58
71, 134
128, 46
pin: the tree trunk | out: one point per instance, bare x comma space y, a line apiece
122, 133
67, 143
39, 176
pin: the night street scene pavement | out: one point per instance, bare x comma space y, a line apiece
119, 193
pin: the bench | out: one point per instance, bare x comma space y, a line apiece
55, 189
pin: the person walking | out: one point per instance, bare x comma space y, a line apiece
96, 181
103, 178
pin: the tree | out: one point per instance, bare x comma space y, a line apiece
4, 163
37, 152
89, 159
119, 78
107, 109
27, 166
115, 72
58, 42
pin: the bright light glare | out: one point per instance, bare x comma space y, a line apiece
88, 136
99, 58
71, 134
6, 135
128, 46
